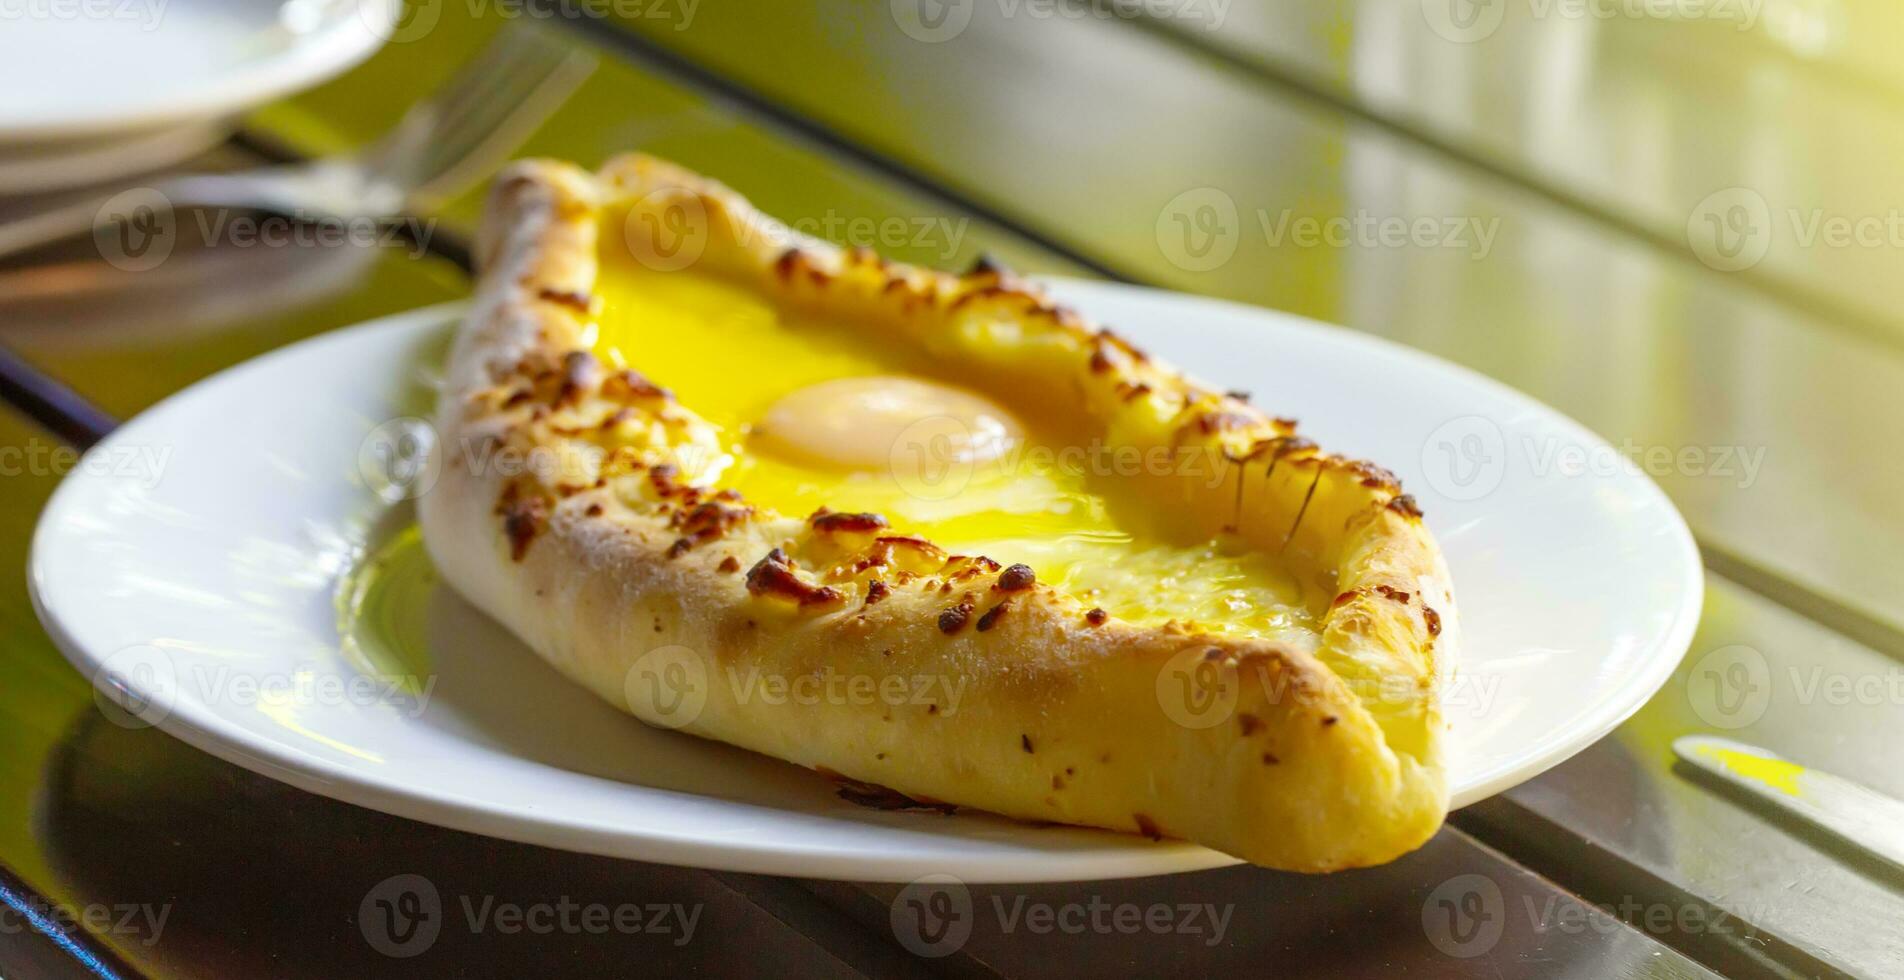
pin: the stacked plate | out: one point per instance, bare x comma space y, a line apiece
91, 90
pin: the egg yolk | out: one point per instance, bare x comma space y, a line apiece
884, 421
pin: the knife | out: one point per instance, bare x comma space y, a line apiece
1865, 818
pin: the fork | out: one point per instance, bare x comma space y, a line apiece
439, 148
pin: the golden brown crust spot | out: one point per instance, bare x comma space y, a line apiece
877, 797
661, 477
629, 385
774, 576
987, 265
707, 521
1211, 423
828, 522
522, 520
992, 616
953, 618
574, 299
1370, 475
1017, 578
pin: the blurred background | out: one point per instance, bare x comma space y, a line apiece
1677, 221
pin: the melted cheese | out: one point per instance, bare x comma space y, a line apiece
1010, 492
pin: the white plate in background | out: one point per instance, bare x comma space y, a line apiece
81, 77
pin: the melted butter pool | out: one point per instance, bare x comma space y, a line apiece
383, 608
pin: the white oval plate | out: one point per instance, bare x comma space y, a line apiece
193, 560
122, 68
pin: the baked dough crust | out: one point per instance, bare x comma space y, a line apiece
603, 557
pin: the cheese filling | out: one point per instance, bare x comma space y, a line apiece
813, 416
